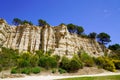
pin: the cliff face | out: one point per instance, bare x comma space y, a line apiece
57, 39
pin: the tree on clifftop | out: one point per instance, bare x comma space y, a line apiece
114, 47
42, 22
92, 35
71, 27
27, 22
103, 38
75, 29
80, 30
16, 21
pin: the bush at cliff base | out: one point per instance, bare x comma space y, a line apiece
105, 63
64, 64
36, 70
88, 60
47, 62
117, 63
71, 65
26, 70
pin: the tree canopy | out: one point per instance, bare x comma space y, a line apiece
114, 47
103, 38
42, 22
27, 22
80, 30
75, 28
71, 27
92, 35
17, 21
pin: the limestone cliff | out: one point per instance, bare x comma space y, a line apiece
32, 38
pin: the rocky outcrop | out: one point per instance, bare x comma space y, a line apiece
58, 39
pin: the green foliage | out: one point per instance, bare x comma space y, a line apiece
80, 30
71, 65
115, 55
24, 60
74, 65
64, 64
16, 21
42, 22
53, 70
88, 60
114, 47
39, 53
105, 63
103, 38
115, 51
47, 62
109, 65
34, 60
79, 61
57, 57
92, 35
14, 70
23, 63
36, 70
71, 27
61, 71
0, 68
83, 35
62, 24
26, 22
8, 58
117, 63
75, 29
26, 70
49, 52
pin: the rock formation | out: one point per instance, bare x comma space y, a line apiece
58, 39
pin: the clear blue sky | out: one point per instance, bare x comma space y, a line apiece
93, 15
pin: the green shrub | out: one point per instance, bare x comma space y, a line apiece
99, 61
23, 63
24, 60
36, 70
57, 57
117, 63
34, 60
109, 65
8, 58
73, 66
88, 60
25, 70
39, 53
53, 70
48, 62
105, 63
61, 71
14, 71
77, 58
26, 56
64, 64
0, 68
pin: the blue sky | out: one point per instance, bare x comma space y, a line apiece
94, 15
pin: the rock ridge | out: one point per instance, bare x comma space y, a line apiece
58, 39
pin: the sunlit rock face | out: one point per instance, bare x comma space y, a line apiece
58, 39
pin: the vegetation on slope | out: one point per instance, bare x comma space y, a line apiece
27, 62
